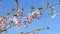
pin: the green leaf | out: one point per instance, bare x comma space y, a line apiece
22, 9
47, 5
32, 8
16, 0
48, 27
8, 13
59, 2
3, 17
21, 32
53, 10
15, 15
40, 8
38, 29
42, 28
35, 15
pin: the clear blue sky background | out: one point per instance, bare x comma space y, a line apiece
54, 24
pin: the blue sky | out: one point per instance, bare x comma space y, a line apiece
54, 24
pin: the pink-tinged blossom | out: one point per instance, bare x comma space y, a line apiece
36, 12
19, 13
